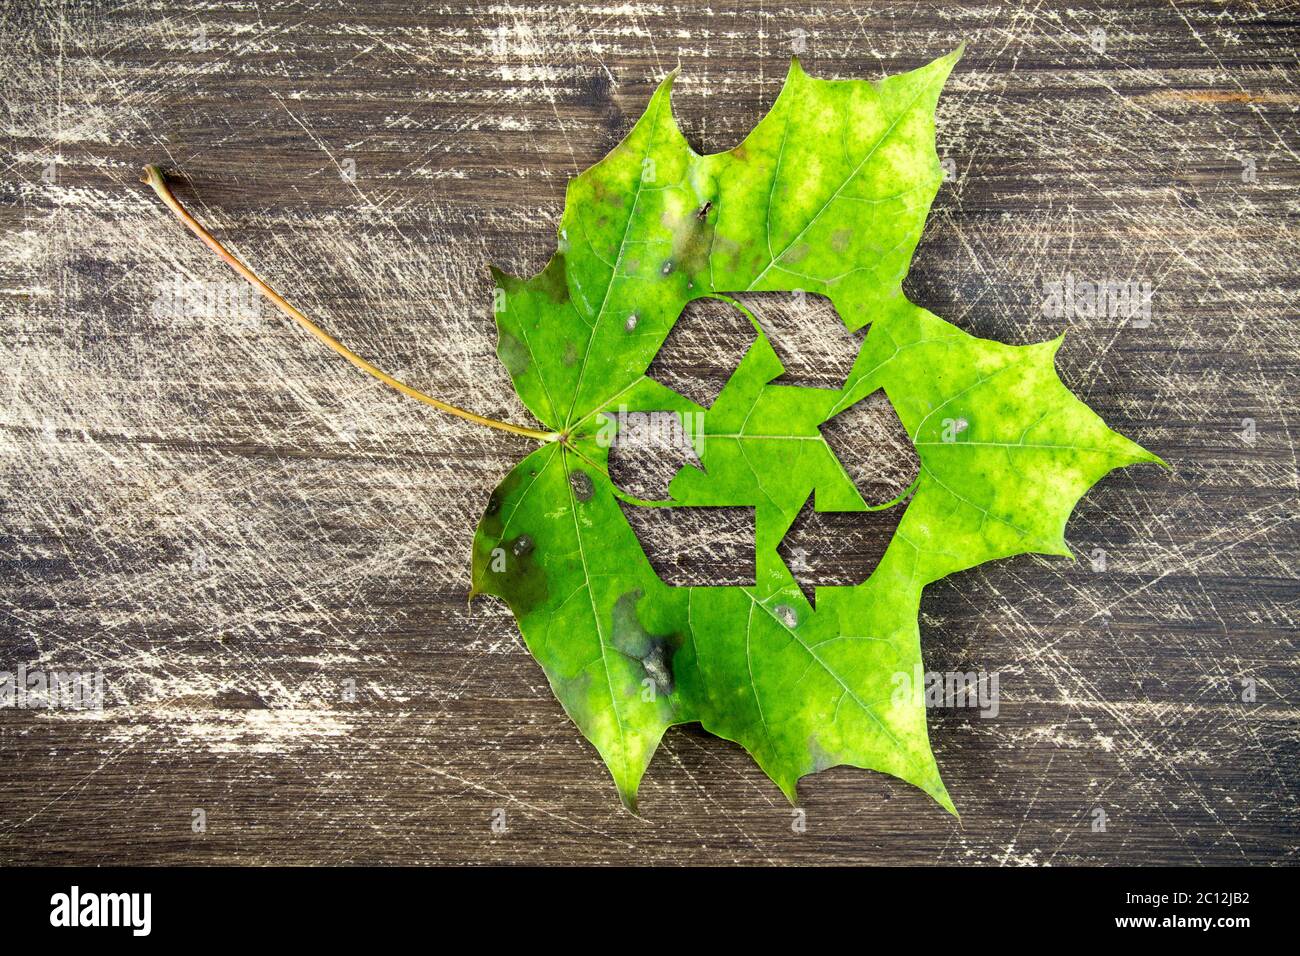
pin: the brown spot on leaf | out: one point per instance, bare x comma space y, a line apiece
633, 640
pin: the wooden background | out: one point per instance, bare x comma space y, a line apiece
231, 523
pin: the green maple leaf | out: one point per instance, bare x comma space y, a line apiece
828, 194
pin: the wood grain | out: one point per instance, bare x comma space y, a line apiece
232, 524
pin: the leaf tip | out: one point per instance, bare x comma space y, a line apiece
1149, 457
1137, 455
666, 84
628, 798
944, 64
940, 795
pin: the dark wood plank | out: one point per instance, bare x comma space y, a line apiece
232, 524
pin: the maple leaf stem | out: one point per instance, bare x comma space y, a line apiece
153, 176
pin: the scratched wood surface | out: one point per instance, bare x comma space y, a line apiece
232, 525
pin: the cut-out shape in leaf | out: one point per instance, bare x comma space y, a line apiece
696, 547
647, 449
836, 548
702, 349
811, 342
874, 448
